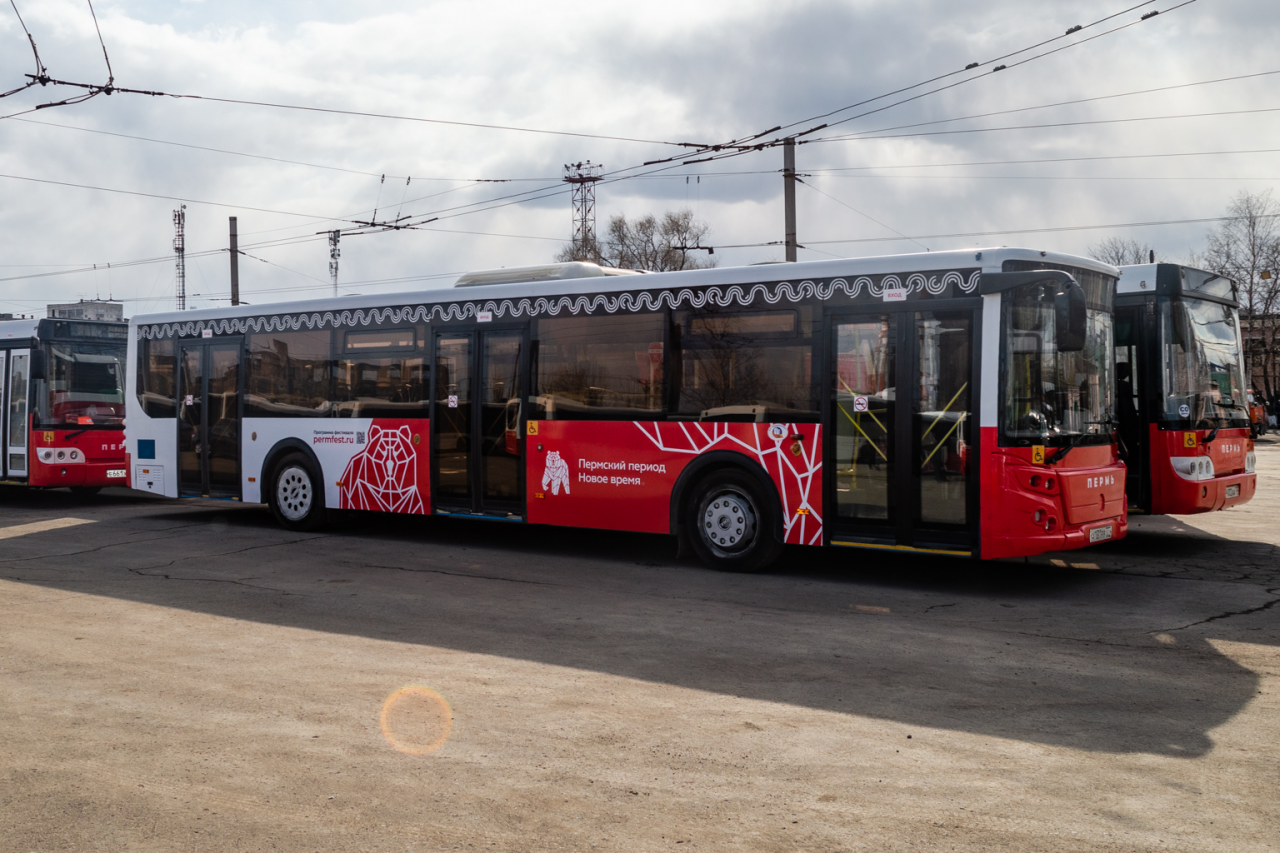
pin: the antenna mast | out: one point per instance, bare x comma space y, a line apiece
334, 254
180, 255
583, 177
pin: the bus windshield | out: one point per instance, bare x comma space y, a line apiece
85, 385
1202, 373
1053, 397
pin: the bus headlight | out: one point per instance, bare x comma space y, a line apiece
1250, 459
1193, 467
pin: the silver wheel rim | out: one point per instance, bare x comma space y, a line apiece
728, 522
293, 493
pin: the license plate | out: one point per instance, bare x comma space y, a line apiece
1100, 534
115, 472
1233, 491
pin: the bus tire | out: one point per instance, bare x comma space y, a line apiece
297, 494
731, 522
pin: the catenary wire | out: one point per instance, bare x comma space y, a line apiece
1058, 104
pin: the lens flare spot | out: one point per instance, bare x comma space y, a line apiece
416, 720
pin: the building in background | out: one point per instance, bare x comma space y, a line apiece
87, 309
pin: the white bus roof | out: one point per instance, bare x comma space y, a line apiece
18, 329
988, 259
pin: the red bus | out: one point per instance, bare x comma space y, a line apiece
62, 403
954, 402
1182, 401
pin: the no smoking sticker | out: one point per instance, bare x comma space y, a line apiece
860, 404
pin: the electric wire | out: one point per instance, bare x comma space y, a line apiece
863, 215
1047, 125
1059, 104
970, 67
41, 74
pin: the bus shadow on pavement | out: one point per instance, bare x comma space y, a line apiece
1089, 660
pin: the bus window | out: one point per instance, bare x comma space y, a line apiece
381, 386
85, 384
746, 366
289, 375
599, 368
157, 380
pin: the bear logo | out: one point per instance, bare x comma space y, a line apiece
556, 473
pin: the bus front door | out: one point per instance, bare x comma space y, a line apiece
901, 430
17, 418
209, 420
477, 422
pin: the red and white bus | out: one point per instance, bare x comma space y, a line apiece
954, 402
62, 403
1181, 397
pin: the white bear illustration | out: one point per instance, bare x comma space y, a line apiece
556, 473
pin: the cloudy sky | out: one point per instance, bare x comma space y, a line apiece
617, 82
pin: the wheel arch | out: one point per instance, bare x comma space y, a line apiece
716, 460
283, 448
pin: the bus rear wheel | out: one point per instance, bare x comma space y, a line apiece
297, 494
731, 520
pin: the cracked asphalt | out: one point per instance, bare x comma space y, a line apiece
188, 676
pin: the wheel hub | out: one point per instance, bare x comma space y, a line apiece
293, 493
728, 523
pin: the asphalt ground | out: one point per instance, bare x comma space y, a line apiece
188, 676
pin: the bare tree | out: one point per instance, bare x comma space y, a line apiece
648, 243
1121, 251
1246, 248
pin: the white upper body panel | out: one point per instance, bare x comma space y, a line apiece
989, 260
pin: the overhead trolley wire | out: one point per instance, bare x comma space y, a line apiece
41, 74
736, 148
1045, 125
972, 66
998, 69
1050, 106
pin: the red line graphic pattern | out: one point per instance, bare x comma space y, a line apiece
795, 474
384, 476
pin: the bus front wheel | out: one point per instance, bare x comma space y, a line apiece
297, 494
732, 520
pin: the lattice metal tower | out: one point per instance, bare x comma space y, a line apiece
334, 254
583, 177
180, 255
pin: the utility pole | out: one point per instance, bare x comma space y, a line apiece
789, 194
235, 264
583, 177
180, 255
334, 254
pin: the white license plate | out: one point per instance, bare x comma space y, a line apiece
1100, 534
115, 472
1233, 491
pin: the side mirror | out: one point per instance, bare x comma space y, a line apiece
1069, 318
39, 369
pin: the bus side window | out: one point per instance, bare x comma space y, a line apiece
599, 368
753, 366
157, 386
290, 375
379, 375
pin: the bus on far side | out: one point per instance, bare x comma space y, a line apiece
62, 404
1181, 396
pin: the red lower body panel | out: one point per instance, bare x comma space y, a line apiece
1031, 508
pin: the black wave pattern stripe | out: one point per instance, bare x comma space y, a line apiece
644, 300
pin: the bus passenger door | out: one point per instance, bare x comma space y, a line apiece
901, 432
209, 420
477, 425
18, 414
